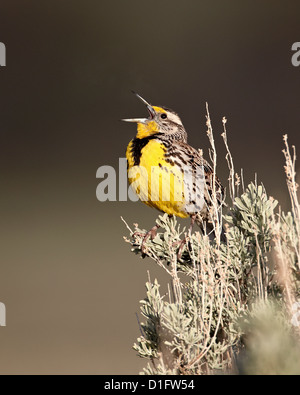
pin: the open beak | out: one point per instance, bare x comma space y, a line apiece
149, 108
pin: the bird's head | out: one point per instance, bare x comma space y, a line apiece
161, 121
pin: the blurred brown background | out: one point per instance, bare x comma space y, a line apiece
70, 283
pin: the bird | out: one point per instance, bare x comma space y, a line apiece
169, 174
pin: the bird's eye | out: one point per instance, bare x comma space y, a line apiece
163, 116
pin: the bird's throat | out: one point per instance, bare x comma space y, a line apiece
146, 129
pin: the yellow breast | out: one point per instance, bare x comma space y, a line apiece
157, 183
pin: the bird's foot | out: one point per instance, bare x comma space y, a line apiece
181, 244
150, 234
184, 242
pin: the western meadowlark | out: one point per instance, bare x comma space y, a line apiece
170, 175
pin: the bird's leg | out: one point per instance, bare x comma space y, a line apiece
183, 242
193, 219
151, 233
